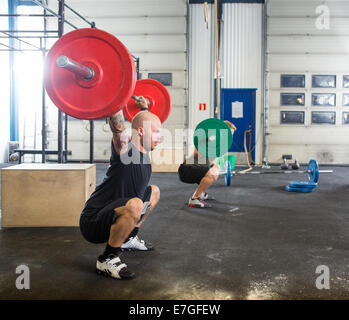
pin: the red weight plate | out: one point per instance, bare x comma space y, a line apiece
110, 89
156, 93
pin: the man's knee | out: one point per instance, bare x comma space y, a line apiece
155, 192
134, 207
213, 174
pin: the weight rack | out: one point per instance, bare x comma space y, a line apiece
42, 36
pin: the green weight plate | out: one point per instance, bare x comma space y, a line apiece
212, 138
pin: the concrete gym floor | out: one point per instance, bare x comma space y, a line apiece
257, 242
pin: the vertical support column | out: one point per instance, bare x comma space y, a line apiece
43, 43
265, 114
43, 121
65, 137
14, 132
60, 114
218, 90
91, 141
137, 68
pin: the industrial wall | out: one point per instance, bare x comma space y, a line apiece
153, 30
308, 53
241, 56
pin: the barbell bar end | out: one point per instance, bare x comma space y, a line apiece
139, 99
84, 72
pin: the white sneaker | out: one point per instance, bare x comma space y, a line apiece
197, 203
113, 267
204, 197
135, 244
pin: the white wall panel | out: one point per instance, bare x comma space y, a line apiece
309, 62
141, 25
298, 46
201, 65
128, 8
154, 43
162, 61
305, 26
242, 54
297, 8
310, 44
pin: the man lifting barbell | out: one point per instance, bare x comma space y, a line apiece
202, 170
94, 83
121, 203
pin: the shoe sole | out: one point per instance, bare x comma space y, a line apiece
129, 249
107, 275
196, 206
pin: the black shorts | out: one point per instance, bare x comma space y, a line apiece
192, 173
95, 227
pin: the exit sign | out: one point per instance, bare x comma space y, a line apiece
202, 106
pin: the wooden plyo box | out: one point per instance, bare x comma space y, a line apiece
45, 195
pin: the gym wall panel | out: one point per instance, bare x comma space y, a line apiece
307, 26
297, 8
310, 44
154, 43
328, 155
162, 61
131, 8
201, 65
302, 62
240, 58
299, 44
241, 48
141, 25
153, 30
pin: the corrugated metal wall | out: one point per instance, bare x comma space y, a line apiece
153, 30
242, 56
201, 64
300, 43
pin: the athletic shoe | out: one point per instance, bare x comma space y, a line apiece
205, 197
113, 267
135, 244
197, 203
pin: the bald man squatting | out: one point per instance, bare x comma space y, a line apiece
121, 203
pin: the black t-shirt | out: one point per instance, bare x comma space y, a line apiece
128, 176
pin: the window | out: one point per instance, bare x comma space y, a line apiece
345, 99
323, 99
164, 78
323, 81
346, 81
345, 117
292, 81
292, 117
292, 99
323, 117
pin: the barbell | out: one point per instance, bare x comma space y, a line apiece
89, 74
313, 172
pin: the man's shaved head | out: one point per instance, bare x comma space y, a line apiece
142, 116
146, 129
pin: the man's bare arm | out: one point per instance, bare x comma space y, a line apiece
117, 126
